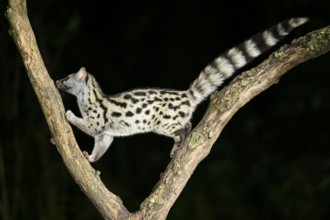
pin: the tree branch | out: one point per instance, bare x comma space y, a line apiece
109, 204
223, 106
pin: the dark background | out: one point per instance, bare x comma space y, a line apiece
272, 161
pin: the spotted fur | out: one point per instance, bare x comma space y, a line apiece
162, 111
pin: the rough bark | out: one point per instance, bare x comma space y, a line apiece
223, 106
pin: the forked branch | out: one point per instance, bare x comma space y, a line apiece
223, 106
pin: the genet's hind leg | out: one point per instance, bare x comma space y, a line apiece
179, 137
101, 144
188, 127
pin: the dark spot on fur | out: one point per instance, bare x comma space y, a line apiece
139, 93
105, 110
183, 95
129, 114
186, 103
192, 94
138, 110
182, 114
124, 123
171, 106
129, 97
120, 104
116, 114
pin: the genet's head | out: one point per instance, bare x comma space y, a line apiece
73, 83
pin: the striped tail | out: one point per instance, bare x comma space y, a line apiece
235, 58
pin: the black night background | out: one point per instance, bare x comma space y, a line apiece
271, 162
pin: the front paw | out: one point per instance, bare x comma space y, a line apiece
90, 158
70, 116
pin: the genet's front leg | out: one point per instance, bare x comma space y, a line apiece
102, 143
78, 122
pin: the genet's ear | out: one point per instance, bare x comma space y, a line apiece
81, 74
